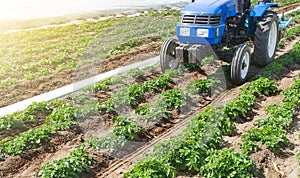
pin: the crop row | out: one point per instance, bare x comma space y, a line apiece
197, 149
70, 166
287, 60
61, 118
34, 53
281, 2
271, 130
38, 110
57, 114
126, 128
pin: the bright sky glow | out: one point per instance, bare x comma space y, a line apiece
32, 9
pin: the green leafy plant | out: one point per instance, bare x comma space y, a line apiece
143, 110
271, 131
151, 168
110, 143
173, 98
201, 86
219, 163
124, 126
70, 166
135, 73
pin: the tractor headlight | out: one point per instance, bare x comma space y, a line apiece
184, 31
202, 32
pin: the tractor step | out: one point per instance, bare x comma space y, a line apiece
284, 22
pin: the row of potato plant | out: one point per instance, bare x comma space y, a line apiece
30, 56
70, 166
29, 115
131, 95
193, 150
61, 118
271, 131
286, 60
160, 108
54, 111
126, 128
198, 148
42, 109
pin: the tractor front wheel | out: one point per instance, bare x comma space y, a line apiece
168, 54
240, 64
266, 39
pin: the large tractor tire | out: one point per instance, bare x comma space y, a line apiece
240, 64
168, 54
266, 39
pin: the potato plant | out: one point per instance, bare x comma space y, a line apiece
201, 86
71, 166
29, 115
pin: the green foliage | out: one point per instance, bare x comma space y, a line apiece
237, 108
135, 73
136, 92
132, 95
7, 82
273, 138
65, 66
226, 162
61, 114
29, 115
151, 168
291, 96
271, 131
207, 60
190, 150
149, 68
173, 98
173, 72
70, 166
38, 52
56, 103
273, 68
90, 107
110, 143
201, 86
103, 85
124, 126
262, 86
60, 119
155, 85
143, 110
240, 106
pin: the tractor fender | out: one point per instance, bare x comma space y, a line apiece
259, 9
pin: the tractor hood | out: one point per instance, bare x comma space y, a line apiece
199, 7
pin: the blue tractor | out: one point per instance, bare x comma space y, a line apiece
219, 24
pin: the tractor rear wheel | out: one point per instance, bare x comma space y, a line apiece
168, 54
266, 39
240, 64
